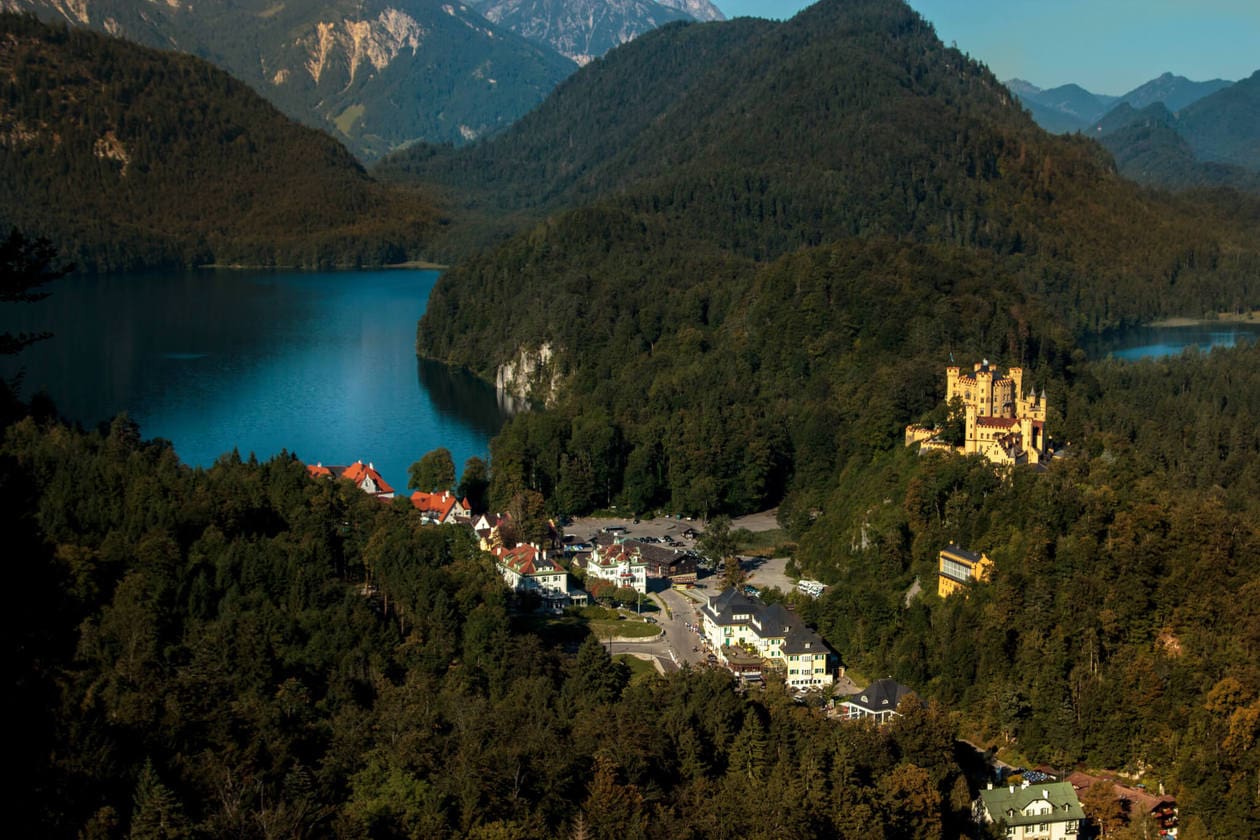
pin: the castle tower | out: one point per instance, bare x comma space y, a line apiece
951, 382
984, 389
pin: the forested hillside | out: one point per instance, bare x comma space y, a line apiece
876, 199
246, 652
1120, 626
127, 157
743, 299
376, 74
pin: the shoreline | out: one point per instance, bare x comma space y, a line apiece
409, 265
1221, 318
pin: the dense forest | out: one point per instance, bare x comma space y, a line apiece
1120, 626
128, 157
242, 651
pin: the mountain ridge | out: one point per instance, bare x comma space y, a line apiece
584, 30
1071, 107
130, 157
378, 74
1215, 141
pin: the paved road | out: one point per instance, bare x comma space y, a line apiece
681, 644
684, 639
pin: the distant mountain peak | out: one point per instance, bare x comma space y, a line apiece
1022, 87
584, 30
701, 10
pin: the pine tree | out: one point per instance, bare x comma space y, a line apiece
158, 814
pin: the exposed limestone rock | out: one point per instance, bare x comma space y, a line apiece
109, 147
376, 42
531, 375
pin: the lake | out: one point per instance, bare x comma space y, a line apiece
1154, 342
320, 364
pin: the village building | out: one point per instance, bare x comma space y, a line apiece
489, 529
364, 476
1002, 423
441, 508
527, 568
1133, 804
1048, 811
879, 700
959, 567
678, 566
620, 565
736, 625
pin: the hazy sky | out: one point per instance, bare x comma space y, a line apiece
1108, 46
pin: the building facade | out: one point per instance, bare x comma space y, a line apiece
619, 565
735, 625
879, 701
959, 567
1047, 811
526, 568
1002, 423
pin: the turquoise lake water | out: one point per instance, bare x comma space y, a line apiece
320, 364
1150, 342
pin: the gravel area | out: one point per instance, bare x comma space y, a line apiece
768, 573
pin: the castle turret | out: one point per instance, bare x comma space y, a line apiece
951, 382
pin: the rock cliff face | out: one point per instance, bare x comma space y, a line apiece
701, 10
586, 29
530, 376
377, 74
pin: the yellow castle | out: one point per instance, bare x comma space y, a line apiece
1002, 423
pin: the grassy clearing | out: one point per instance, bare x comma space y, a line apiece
640, 669
773, 543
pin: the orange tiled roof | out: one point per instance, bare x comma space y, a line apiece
359, 471
318, 471
439, 504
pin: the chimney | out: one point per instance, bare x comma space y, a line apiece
1045, 793
990, 785
1025, 784
1012, 789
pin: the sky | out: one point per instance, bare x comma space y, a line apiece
1106, 46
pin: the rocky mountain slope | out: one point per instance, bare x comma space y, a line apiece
378, 74
580, 29
129, 157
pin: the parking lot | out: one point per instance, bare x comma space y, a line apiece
586, 527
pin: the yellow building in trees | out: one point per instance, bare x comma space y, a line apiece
958, 567
1003, 424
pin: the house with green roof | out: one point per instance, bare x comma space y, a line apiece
1048, 811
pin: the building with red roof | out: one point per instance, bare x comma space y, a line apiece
364, 476
441, 508
526, 568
